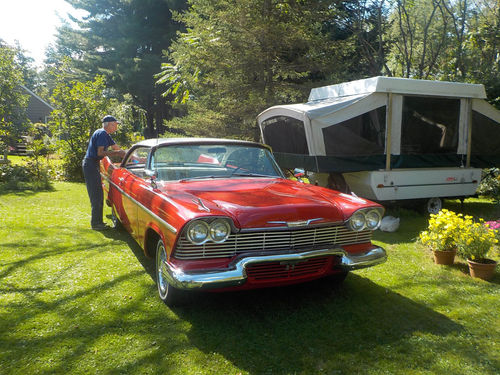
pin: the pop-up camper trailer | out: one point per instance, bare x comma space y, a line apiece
389, 139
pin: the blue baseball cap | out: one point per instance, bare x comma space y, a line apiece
109, 118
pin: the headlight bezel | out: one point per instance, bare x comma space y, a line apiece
211, 225
194, 224
376, 212
363, 215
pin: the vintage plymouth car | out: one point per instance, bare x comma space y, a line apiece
219, 215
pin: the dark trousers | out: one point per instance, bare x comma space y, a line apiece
94, 188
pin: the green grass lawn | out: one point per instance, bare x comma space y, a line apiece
75, 301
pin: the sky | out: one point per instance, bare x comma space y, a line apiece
33, 23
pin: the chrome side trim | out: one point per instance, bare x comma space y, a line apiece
236, 275
144, 208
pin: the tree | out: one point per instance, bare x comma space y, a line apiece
238, 57
13, 121
363, 26
123, 41
79, 108
421, 36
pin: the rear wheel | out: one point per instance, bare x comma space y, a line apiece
117, 224
433, 205
168, 294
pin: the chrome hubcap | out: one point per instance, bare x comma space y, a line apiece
434, 205
160, 269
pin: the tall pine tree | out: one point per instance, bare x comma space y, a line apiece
123, 40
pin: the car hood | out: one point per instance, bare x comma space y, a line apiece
263, 202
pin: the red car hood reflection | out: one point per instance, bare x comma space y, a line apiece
257, 203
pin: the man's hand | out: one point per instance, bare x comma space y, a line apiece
120, 153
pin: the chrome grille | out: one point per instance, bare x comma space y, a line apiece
300, 239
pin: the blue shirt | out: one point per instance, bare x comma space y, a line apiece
99, 138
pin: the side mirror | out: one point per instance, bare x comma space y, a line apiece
153, 174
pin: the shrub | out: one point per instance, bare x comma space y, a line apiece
490, 184
24, 177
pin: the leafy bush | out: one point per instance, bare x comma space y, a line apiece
490, 184
80, 107
24, 177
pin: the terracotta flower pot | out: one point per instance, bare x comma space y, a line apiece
444, 257
484, 270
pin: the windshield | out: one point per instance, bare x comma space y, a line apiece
186, 162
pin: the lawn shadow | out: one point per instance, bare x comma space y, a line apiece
311, 327
301, 328
122, 235
463, 267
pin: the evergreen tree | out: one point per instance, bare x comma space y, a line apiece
239, 57
123, 41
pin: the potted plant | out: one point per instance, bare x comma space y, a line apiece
475, 242
441, 234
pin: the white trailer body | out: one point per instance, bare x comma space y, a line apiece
389, 138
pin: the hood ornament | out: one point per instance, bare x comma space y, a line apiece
295, 224
201, 205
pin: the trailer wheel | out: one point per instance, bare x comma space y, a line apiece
433, 205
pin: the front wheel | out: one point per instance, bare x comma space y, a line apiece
168, 294
338, 278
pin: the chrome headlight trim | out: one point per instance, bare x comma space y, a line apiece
373, 219
217, 227
365, 218
357, 221
201, 226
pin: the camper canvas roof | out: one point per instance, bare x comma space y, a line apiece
399, 86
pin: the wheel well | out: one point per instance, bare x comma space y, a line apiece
152, 238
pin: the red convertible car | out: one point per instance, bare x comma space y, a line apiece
219, 215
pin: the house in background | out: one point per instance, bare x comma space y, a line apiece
38, 109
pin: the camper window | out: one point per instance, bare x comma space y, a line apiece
361, 135
285, 134
484, 135
429, 125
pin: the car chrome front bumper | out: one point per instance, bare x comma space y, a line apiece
236, 275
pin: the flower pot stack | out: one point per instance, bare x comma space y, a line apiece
449, 233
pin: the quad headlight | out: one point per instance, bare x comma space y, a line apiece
200, 231
219, 230
365, 219
373, 219
357, 221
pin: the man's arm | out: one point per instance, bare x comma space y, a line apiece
116, 151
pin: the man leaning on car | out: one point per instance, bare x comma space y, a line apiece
97, 149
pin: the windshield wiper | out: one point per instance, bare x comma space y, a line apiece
201, 178
250, 174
